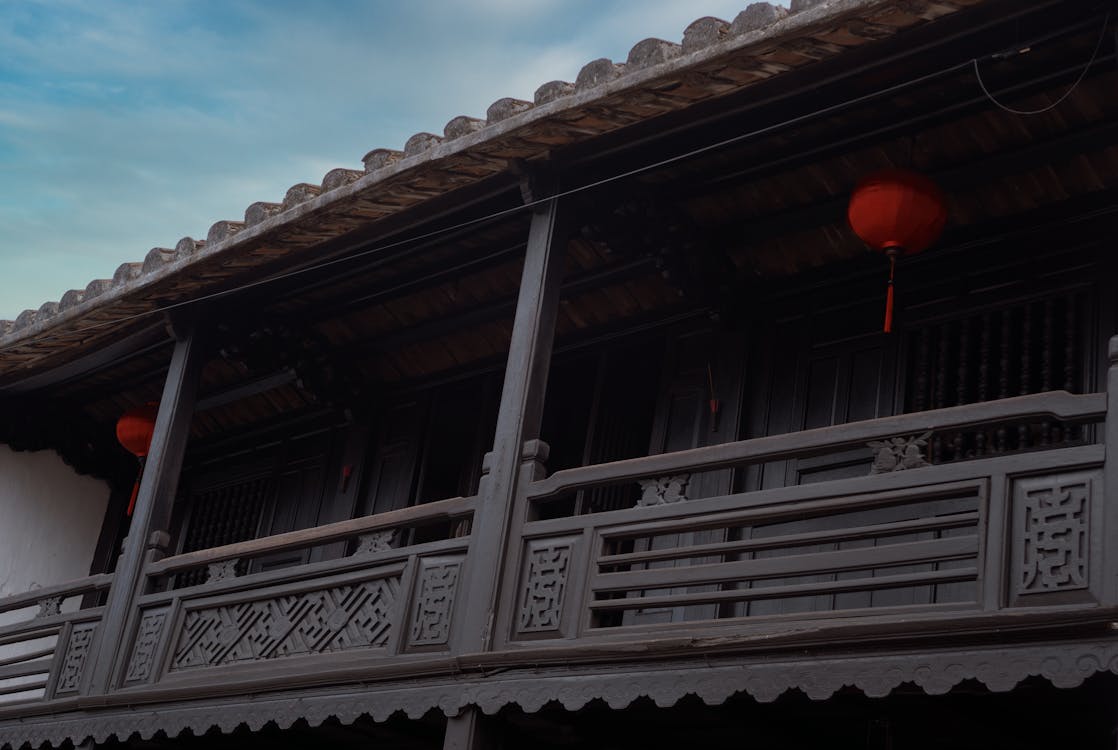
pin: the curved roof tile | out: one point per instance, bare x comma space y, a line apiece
703, 39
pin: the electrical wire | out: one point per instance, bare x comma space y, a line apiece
529, 205
1066, 94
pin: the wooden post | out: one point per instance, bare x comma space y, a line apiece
518, 420
152, 514
466, 731
1110, 479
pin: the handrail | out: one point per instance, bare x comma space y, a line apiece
1059, 405
454, 507
64, 590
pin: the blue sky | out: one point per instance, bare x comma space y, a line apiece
128, 125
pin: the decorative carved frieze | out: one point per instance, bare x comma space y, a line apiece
49, 607
434, 602
664, 490
712, 680
223, 570
340, 618
541, 604
899, 453
77, 649
374, 541
147, 641
1052, 531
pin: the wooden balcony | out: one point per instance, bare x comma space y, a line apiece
45, 641
912, 553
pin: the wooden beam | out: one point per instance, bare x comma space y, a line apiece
244, 390
505, 306
844, 139
147, 339
991, 167
152, 512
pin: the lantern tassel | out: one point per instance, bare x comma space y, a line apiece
136, 488
889, 291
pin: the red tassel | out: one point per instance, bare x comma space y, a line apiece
889, 294
136, 488
135, 492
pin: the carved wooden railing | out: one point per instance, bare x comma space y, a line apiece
981, 538
45, 639
385, 591
907, 549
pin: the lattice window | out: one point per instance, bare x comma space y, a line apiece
1030, 347
224, 515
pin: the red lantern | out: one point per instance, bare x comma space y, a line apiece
897, 212
134, 430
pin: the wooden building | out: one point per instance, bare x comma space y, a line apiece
576, 426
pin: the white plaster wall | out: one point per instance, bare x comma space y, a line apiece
50, 517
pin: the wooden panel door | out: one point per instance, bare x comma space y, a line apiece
699, 404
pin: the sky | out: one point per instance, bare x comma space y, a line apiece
128, 125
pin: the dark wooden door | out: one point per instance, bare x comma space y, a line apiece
698, 405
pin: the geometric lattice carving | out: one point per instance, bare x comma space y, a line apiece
147, 641
434, 602
541, 605
899, 453
664, 490
1053, 531
77, 649
334, 619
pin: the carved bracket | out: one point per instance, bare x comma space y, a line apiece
49, 607
221, 571
664, 490
899, 453
376, 541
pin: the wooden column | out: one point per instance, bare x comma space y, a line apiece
152, 514
467, 731
518, 420
1110, 479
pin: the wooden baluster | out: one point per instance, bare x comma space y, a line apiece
982, 438
920, 397
963, 376
1070, 334
1047, 352
1003, 374
939, 395
1026, 369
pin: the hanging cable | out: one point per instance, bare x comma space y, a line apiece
668, 161
1066, 94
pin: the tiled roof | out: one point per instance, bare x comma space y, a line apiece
714, 57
